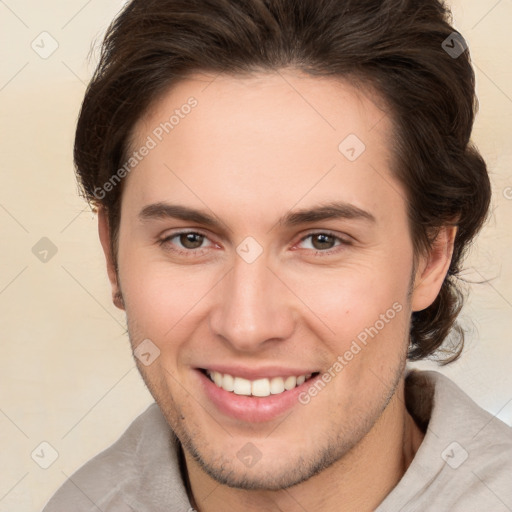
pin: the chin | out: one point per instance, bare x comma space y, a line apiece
265, 475
275, 465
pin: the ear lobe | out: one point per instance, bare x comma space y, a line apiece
104, 234
433, 268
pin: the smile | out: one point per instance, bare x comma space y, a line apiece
259, 387
253, 395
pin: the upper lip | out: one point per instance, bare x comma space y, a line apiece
267, 372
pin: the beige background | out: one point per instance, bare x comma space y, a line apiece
66, 373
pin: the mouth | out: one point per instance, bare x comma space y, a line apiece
256, 400
259, 387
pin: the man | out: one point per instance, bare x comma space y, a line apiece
285, 191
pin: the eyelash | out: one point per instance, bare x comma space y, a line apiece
165, 242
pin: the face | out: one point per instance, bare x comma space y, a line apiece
257, 251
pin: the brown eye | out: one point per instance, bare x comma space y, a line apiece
185, 243
191, 240
322, 241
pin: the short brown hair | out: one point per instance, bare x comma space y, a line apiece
399, 48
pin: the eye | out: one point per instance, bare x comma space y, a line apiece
323, 243
190, 243
187, 242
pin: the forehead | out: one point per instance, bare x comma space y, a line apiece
225, 102
268, 137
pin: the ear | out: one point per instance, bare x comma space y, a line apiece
432, 269
104, 233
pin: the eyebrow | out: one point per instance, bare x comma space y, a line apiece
332, 210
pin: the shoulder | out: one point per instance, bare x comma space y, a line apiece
119, 478
478, 453
465, 460
455, 415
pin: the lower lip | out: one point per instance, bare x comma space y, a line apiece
250, 408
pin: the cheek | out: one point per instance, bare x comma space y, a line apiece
161, 300
349, 300
366, 311
166, 301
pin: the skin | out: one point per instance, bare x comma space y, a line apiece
254, 149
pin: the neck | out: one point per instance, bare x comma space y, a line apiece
358, 481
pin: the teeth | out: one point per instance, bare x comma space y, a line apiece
276, 385
217, 378
228, 382
259, 387
242, 386
290, 383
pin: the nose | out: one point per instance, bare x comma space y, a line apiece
253, 307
